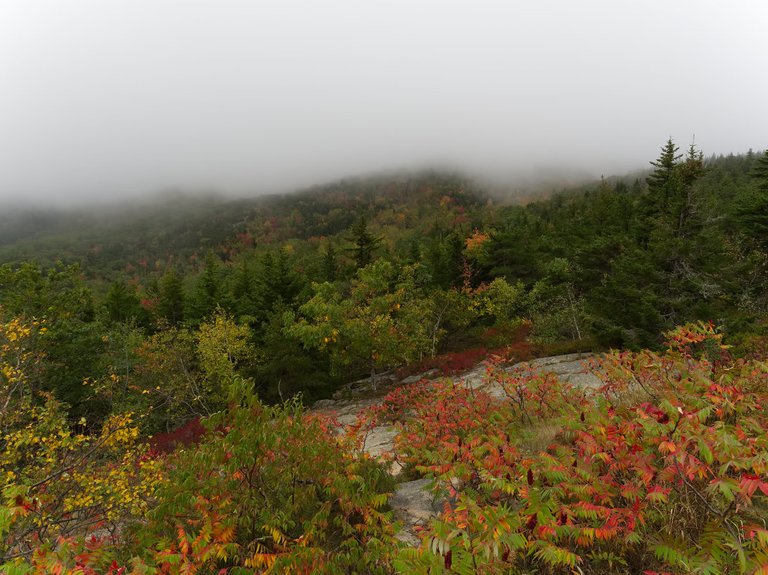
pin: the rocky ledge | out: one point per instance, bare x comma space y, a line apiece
413, 502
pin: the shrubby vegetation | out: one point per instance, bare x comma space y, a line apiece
663, 469
214, 337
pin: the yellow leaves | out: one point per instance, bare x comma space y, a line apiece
118, 431
260, 560
15, 330
16, 360
10, 375
220, 344
89, 478
277, 536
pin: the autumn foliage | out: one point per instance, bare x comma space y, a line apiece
661, 469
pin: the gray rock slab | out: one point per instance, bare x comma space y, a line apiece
380, 440
414, 505
571, 368
431, 374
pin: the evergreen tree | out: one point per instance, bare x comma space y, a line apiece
365, 243
752, 212
454, 249
378, 324
170, 305
209, 291
243, 290
760, 172
414, 251
276, 283
330, 264
123, 305
512, 251
444, 257
60, 298
663, 180
683, 205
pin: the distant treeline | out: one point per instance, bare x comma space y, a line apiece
349, 279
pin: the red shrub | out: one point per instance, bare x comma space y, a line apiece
188, 434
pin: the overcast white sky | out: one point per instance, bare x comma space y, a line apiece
103, 98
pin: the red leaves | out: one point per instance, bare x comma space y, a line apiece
750, 483
188, 434
652, 411
26, 504
614, 471
450, 364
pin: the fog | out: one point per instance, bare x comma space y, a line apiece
104, 99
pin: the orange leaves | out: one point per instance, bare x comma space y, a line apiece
667, 447
544, 478
691, 338
261, 560
688, 454
476, 240
545, 532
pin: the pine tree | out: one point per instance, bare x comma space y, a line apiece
753, 211
209, 292
668, 208
365, 243
683, 205
171, 303
663, 180
760, 172
122, 304
330, 264
242, 289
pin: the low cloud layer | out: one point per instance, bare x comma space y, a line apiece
110, 99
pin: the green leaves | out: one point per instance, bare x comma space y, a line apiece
380, 323
673, 444
271, 487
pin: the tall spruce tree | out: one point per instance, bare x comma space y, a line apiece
365, 243
171, 302
330, 263
663, 181
209, 290
121, 304
752, 213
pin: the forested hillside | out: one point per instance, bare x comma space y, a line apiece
121, 331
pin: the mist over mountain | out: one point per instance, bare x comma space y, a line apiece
105, 101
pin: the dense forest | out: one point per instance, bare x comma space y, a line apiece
124, 330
